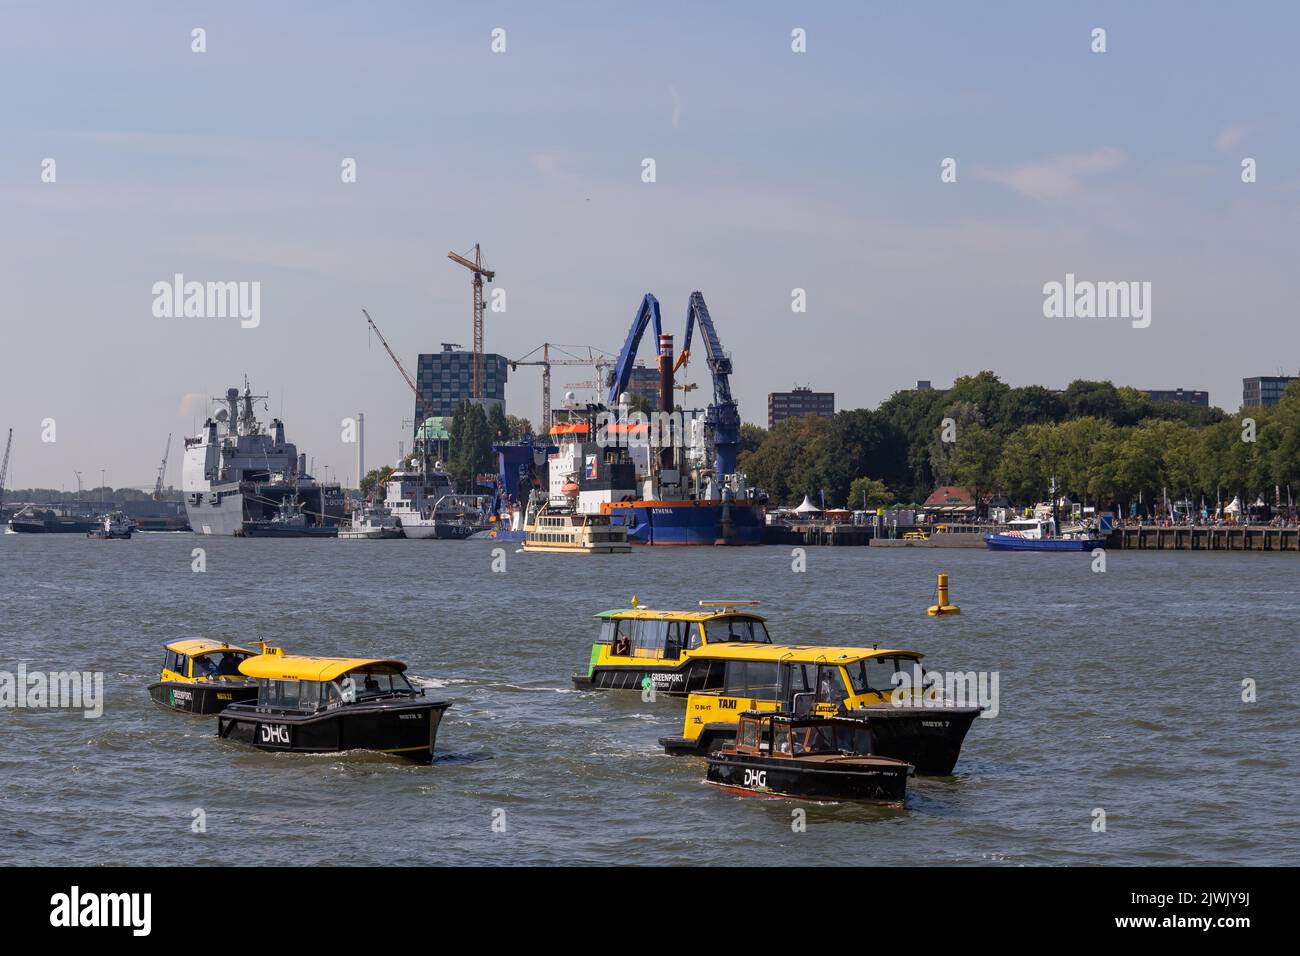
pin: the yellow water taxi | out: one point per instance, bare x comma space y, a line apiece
722, 658
853, 682
672, 651
328, 704
202, 677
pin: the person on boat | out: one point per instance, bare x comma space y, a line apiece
229, 666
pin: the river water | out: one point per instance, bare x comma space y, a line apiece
1120, 692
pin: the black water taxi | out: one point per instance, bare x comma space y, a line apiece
813, 757
330, 704
202, 677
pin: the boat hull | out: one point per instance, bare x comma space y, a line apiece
863, 779
369, 534
408, 728
693, 675
53, 525
1006, 542
412, 528
201, 698
690, 523
270, 529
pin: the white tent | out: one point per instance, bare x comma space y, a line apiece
807, 508
1233, 507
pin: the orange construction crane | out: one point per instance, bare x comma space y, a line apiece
475, 266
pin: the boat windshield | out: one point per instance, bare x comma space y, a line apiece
826, 738
366, 683
737, 629
224, 664
876, 674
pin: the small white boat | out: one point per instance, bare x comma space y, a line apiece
424, 502
372, 522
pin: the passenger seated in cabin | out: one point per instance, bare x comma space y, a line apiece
371, 685
205, 667
229, 666
622, 646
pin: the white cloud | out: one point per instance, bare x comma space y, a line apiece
1230, 137
1059, 178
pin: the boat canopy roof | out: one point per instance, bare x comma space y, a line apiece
650, 614
298, 667
197, 647
795, 653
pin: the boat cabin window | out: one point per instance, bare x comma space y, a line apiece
607, 629
622, 637
223, 664
693, 638
309, 695
780, 737
280, 694
176, 663
738, 629
812, 739
798, 679
877, 673
649, 638
362, 684
830, 685
673, 642
751, 679
749, 732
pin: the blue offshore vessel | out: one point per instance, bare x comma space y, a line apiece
670, 477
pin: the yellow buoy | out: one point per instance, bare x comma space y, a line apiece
941, 605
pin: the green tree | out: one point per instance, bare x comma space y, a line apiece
957, 419
914, 415
751, 437
471, 445
375, 476
785, 464
1031, 405
868, 493
975, 458
518, 427
497, 424
857, 442
1083, 398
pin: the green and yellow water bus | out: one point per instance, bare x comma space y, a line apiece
722, 658
672, 651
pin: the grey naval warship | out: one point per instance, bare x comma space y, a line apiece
241, 479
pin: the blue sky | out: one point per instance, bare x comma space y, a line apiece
775, 170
